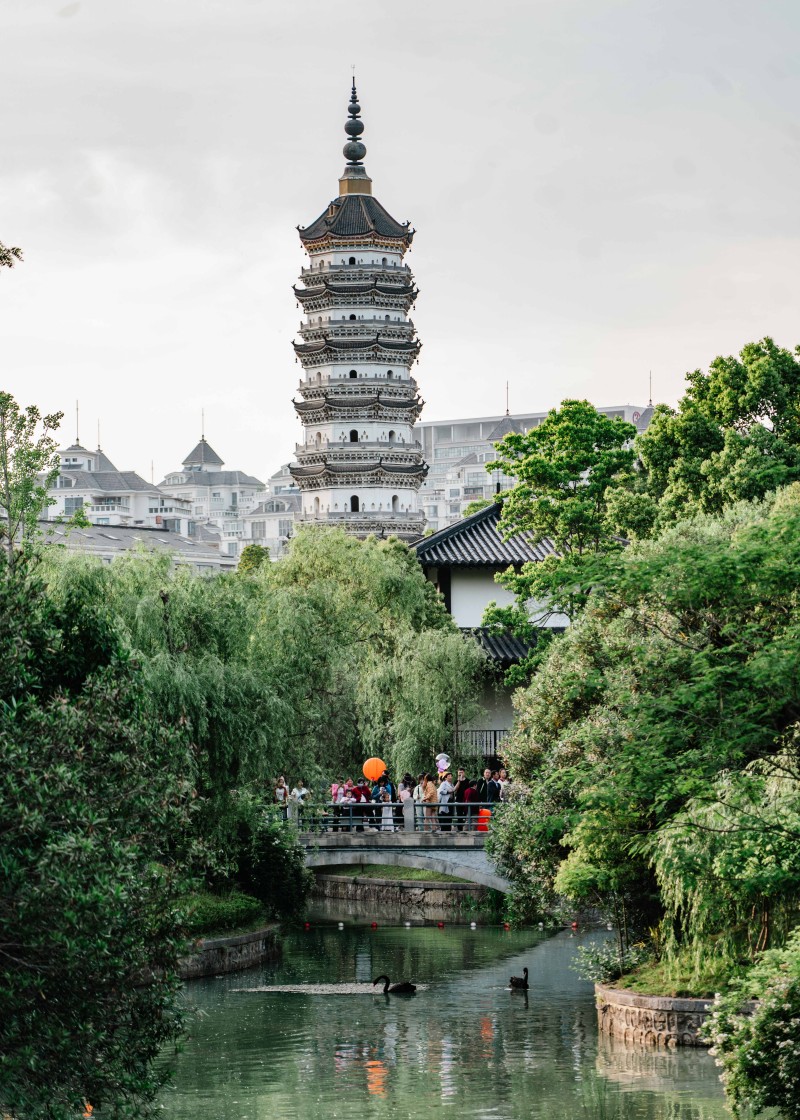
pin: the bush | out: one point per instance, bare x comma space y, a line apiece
272, 863
212, 913
760, 1053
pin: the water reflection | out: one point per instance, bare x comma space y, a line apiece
467, 1045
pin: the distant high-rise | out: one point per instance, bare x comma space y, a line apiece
359, 466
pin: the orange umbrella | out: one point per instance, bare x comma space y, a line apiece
374, 768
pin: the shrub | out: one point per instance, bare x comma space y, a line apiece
211, 913
760, 1052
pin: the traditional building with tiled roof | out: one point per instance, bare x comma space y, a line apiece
358, 466
462, 561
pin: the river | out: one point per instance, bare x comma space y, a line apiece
463, 1046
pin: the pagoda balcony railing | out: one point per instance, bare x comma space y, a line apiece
381, 445
357, 328
360, 386
363, 268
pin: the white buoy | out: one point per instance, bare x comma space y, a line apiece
473, 925
407, 925
341, 925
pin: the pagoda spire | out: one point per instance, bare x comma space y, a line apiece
354, 178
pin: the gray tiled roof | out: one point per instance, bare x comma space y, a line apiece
476, 541
203, 453
501, 646
354, 215
507, 425
103, 461
108, 481
220, 478
110, 541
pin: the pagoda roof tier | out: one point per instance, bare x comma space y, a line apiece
348, 404
348, 344
356, 216
337, 288
377, 468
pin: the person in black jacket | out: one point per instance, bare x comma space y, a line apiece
488, 788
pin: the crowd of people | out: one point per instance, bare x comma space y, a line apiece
430, 802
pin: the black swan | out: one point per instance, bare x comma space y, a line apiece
403, 989
520, 981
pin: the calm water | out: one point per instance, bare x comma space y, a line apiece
466, 1047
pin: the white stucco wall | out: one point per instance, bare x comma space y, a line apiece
471, 591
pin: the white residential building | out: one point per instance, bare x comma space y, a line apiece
89, 481
218, 499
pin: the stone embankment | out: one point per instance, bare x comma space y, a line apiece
409, 895
661, 1021
216, 955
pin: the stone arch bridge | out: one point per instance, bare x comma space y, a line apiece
461, 854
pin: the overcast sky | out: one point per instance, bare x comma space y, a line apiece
600, 188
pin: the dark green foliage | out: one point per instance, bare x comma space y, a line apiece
685, 663
95, 797
272, 863
220, 913
734, 436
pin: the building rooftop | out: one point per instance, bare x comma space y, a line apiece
476, 541
110, 541
202, 455
355, 215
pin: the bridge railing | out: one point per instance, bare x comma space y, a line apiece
395, 816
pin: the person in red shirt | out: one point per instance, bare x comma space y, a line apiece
470, 796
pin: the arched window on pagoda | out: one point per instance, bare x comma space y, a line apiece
354, 503
318, 440
353, 373
352, 317
353, 435
352, 260
391, 437
383, 261
395, 504
316, 507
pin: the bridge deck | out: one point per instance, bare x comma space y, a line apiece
371, 838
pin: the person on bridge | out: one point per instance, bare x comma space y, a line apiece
458, 799
446, 789
430, 800
471, 800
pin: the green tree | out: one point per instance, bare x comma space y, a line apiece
29, 464
253, 556
564, 467
734, 436
95, 797
684, 664
9, 257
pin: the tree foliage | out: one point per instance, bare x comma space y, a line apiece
758, 1046
29, 464
9, 256
305, 667
684, 664
734, 436
96, 796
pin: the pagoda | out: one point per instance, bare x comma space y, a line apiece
359, 466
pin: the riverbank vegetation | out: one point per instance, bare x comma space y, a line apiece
145, 712
656, 751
